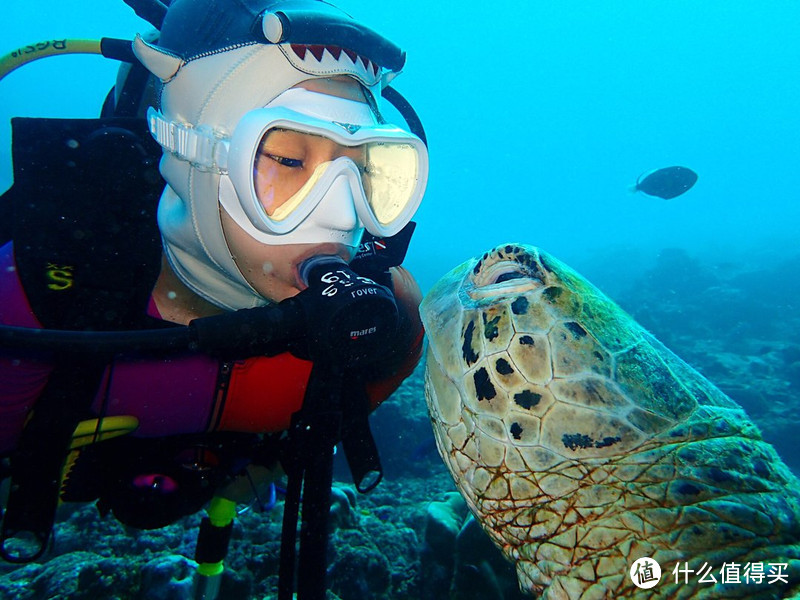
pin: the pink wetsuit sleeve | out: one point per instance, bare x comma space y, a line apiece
22, 377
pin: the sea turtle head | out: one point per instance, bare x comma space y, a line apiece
535, 357
526, 289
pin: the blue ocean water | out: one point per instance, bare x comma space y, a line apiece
540, 116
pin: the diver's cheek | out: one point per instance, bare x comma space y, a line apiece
270, 277
268, 269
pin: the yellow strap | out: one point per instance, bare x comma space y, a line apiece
91, 431
96, 430
27, 54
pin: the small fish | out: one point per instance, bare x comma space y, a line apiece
666, 183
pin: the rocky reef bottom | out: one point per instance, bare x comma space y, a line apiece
406, 540
410, 538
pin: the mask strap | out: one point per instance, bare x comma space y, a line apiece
152, 11
407, 111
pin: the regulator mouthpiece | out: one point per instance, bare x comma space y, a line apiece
308, 269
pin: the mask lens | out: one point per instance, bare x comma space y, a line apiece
288, 165
390, 178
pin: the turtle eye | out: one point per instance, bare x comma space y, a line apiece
498, 273
508, 276
503, 278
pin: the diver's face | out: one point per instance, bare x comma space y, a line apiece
285, 161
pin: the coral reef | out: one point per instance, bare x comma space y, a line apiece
739, 325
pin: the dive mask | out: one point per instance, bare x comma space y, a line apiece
376, 169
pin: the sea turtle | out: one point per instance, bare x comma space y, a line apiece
582, 444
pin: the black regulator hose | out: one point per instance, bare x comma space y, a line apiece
152, 11
95, 342
341, 315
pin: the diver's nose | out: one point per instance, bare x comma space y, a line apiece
337, 208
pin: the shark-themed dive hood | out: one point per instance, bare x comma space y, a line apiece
218, 60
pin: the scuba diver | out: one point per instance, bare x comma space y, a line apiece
179, 338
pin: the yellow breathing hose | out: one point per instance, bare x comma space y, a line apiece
27, 54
